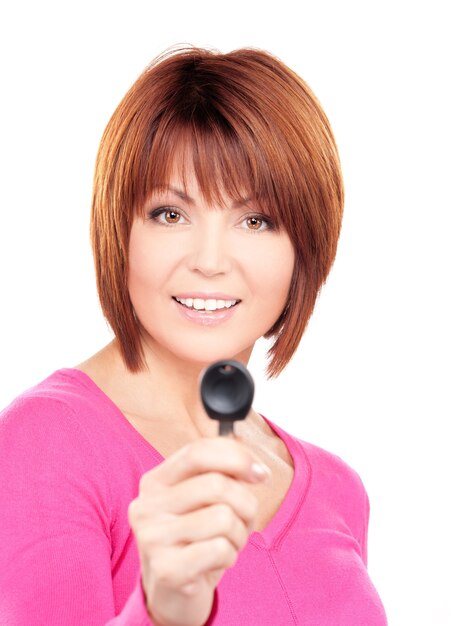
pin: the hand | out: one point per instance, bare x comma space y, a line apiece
191, 518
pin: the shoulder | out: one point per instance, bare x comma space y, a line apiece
47, 458
66, 428
68, 400
65, 387
332, 468
48, 422
326, 468
336, 482
336, 497
337, 493
40, 406
332, 483
54, 408
54, 436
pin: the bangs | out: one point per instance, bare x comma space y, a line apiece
226, 165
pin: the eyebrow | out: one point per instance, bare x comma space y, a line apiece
184, 196
181, 194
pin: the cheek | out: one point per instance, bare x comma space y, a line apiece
279, 273
275, 270
142, 262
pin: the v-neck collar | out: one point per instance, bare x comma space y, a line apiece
274, 532
272, 535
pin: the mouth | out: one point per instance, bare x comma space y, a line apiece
208, 304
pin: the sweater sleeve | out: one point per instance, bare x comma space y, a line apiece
366, 515
55, 544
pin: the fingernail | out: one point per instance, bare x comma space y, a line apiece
260, 471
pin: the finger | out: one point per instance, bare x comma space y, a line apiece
218, 454
214, 521
205, 490
179, 566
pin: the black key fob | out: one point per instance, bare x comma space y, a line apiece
227, 391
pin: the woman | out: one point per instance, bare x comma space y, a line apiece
216, 213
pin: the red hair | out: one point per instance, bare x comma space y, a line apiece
249, 123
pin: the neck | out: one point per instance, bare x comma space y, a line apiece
167, 389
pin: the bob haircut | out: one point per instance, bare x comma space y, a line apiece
249, 124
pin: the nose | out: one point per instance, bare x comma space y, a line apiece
210, 253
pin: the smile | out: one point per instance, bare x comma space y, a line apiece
210, 304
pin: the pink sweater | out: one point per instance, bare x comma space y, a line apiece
70, 463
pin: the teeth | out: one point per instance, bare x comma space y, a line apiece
198, 304
206, 305
210, 305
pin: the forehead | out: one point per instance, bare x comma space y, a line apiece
185, 181
220, 168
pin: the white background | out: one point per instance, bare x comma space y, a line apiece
371, 379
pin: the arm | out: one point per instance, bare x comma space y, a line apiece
55, 517
192, 517
54, 523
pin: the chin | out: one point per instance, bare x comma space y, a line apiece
207, 357
204, 355
198, 349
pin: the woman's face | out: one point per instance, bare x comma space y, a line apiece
206, 281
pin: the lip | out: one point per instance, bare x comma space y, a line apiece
204, 318
206, 296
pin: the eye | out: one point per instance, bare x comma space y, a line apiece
256, 223
166, 216
171, 216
